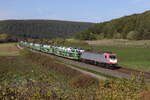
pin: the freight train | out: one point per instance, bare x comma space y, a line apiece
104, 58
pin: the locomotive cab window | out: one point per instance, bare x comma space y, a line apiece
112, 57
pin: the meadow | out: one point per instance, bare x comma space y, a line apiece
32, 76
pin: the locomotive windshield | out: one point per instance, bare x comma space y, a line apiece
112, 57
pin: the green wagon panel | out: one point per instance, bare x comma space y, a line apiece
66, 54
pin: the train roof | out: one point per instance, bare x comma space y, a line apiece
98, 52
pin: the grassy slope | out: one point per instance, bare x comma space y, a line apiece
27, 74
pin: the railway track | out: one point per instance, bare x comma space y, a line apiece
119, 72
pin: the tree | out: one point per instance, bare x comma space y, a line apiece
42, 28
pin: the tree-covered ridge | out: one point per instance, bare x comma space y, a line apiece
136, 26
42, 28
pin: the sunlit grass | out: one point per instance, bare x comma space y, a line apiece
7, 45
9, 53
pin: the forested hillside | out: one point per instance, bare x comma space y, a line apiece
134, 27
41, 28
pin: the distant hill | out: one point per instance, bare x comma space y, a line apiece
136, 27
42, 28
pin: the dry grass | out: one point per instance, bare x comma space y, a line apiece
35, 77
82, 81
120, 42
8, 49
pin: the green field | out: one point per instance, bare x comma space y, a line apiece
136, 58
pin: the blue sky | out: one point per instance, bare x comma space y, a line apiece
71, 10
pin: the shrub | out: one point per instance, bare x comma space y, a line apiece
122, 89
99, 36
133, 35
117, 36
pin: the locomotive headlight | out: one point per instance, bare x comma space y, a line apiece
113, 60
